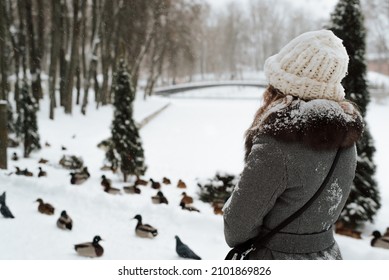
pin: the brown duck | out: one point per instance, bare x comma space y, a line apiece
90, 249
155, 185
166, 181
186, 198
43, 161
181, 184
64, 221
140, 182
144, 230
45, 208
159, 198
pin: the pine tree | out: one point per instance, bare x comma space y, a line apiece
26, 123
347, 23
127, 145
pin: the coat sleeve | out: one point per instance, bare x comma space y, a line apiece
262, 181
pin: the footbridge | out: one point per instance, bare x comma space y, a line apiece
167, 90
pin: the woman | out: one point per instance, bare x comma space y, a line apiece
290, 148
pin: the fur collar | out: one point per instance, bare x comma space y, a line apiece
319, 124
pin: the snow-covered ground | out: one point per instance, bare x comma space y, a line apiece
193, 138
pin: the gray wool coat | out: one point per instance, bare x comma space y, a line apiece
278, 178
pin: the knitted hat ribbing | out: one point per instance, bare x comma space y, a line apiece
311, 66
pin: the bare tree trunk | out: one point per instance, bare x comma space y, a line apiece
41, 32
54, 53
71, 71
78, 83
83, 38
106, 57
91, 74
92, 58
16, 51
22, 42
62, 52
3, 58
34, 54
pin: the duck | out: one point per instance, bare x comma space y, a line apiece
141, 182
184, 251
27, 173
64, 221
90, 249
77, 178
144, 230
63, 148
4, 210
166, 181
43, 161
112, 190
42, 173
15, 157
45, 208
155, 185
159, 198
105, 182
181, 184
85, 171
132, 189
80, 176
24, 172
47, 144
188, 207
379, 241
186, 198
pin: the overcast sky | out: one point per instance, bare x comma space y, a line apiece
317, 8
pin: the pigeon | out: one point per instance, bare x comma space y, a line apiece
184, 251
4, 210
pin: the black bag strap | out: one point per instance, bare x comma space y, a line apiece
263, 239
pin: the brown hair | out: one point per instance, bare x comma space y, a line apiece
336, 134
270, 95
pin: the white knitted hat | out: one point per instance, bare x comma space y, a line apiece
311, 66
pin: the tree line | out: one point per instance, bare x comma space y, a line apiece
68, 49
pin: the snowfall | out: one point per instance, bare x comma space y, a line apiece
199, 133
